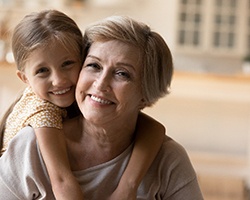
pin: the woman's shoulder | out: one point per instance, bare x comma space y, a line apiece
175, 169
22, 169
173, 159
23, 146
24, 142
171, 147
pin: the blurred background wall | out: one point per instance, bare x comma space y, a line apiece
208, 110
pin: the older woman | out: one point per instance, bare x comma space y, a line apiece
127, 68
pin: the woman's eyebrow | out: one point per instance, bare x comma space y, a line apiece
126, 64
91, 56
118, 63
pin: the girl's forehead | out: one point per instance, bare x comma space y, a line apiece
69, 44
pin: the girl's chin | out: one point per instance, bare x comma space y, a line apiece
64, 104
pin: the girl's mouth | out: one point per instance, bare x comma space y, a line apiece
61, 91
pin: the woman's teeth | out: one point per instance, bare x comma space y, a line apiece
99, 100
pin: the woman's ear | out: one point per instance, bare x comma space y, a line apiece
22, 76
142, 104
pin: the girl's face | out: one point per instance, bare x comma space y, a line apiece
109, 82
52, 72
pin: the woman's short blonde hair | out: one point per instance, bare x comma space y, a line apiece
156, 58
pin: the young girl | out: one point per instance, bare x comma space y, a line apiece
47, 47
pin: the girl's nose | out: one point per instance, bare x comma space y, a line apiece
59, 79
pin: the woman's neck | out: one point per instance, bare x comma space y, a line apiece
90, 145
110, 138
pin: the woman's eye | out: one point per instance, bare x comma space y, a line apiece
123, 74
93, 66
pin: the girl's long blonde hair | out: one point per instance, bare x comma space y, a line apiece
40, 29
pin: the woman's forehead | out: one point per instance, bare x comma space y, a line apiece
116, 50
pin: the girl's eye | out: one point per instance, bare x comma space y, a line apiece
68, 63
41, 70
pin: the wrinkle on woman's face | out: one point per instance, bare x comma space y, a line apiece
109, 86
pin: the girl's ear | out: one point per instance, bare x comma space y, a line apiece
22, 76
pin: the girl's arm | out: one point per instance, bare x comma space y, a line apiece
149, 138
53, 149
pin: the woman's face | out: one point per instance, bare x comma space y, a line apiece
109, 85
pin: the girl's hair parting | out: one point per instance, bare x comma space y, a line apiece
40, 29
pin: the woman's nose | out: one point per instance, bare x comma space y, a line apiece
102, 83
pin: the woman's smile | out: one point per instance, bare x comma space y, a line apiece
100, 100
